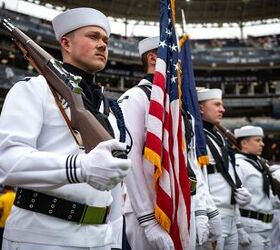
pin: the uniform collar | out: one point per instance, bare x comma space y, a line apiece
89, 78
149, 77
209, 126
250, 156
91, 90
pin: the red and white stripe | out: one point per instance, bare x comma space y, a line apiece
165, 139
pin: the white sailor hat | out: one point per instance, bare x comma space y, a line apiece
77, 18
204, 94
147, 44
247, 131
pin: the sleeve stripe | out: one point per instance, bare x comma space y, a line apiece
71, 171
200, 212
75, 169
213, 214
146, 218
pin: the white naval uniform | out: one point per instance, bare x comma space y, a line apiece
191, 157
275, 234
221, 193
203, 199
34, 144
201, 202
252, 179
139, 207
198, 205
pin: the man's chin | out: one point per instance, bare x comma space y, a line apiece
99, 67
94, 70
217, 122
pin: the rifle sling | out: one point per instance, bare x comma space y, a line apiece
220, 163
220, 168
75, 133
275, 184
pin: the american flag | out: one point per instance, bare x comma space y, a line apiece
164, 140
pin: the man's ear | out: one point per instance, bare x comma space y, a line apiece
152, 58
243, 143
201, 108
65, 43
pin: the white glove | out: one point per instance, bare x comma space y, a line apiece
276, 175
158, 238
202, 229
215, 227
275, 170
100, 169
244, 238
274, 167
242, 196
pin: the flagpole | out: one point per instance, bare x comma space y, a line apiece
184, 24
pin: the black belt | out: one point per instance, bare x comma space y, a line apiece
60, 208
211, 169
267, 218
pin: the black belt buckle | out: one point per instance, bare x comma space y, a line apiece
94, 215
267, 218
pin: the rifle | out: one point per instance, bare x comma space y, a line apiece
232, 141
66, 85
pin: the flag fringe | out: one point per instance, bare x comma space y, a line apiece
162, 218
155, 159
203, 160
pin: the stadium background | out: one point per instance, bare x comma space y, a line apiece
247, 70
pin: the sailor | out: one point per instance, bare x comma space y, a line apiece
205, 218
223, 182
143, 231
255, 217
275, 239
63, 197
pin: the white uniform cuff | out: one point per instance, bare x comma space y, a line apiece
73, 169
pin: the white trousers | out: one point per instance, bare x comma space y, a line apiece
260, 234
12, 245
260, 241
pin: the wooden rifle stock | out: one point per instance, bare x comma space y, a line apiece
65, 84
232, 141
229, 136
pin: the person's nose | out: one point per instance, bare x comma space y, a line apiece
222, 109
102, 45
